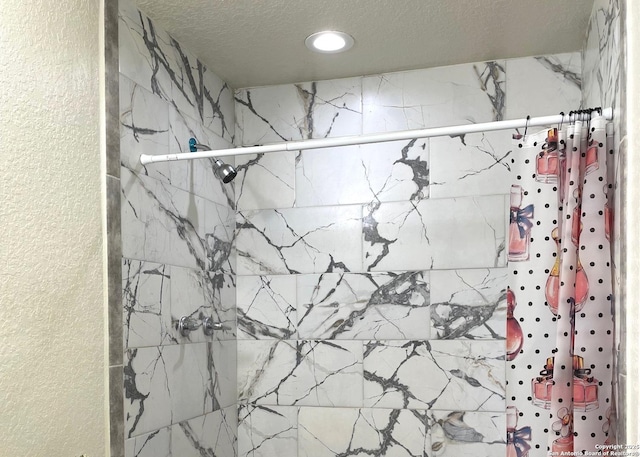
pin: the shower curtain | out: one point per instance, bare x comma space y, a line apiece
559, 300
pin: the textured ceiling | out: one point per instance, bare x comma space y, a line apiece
260, 42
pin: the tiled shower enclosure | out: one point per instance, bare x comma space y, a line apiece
362, 289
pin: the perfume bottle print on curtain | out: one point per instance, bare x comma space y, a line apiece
585, 386
520, 223
552, 288
515, 338
517, 438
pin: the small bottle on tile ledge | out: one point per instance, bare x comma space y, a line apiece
515, 338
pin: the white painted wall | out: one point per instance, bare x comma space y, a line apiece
52, 381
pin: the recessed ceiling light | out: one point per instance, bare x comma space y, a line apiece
329, 42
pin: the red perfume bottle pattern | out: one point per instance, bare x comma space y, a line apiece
515, 338
585, 386
548, 160
520, 223
517, 439
552, 288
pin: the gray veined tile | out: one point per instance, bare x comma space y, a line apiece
213, 434
144, 129
299, 240
164, 385
146, 302
469, 304
218, 232
435, 234
220, 296
188, 300
445, 375
434, 97
140, 50
197, 176
265, 431
219, 106
390, 171
265, 181
267, 307
222, 361
468, 165
316, 373
364, 305
162, 222
154, 444
298, 111
545, 85
147, 395
467, 434
327, 432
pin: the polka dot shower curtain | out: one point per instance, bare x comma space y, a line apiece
560, 317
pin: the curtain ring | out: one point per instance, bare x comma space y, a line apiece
561, 120
526, 125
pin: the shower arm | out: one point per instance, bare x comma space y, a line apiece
300, 145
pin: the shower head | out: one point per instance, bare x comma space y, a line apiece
223, 171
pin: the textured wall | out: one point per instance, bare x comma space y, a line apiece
51, 288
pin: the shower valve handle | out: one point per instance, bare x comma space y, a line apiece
187, 325
208, 325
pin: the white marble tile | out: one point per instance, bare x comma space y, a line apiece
218, 231
219, 106
469, 165
223, 357
187, 300
144, 129
267, 307
146, 227
299, 240
265, 181
469, 304
147, 395
154, 444
462, 375
435, 234
434, 97
197, 176
327, 432
315, 373
467, 434
213, 434
140, 50
220, 296
364, 305
298, 111
542, 86
392, 171
147, 303
190, 380
267, 431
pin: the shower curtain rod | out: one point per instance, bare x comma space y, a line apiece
299, 145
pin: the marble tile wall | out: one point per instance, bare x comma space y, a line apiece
604, 75
178, 228
371, 299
